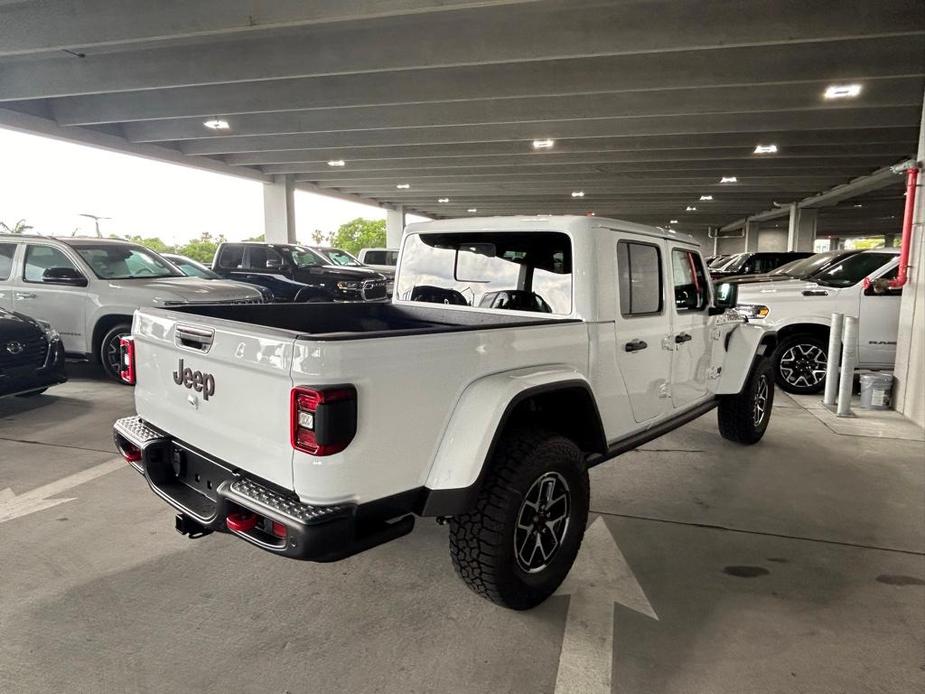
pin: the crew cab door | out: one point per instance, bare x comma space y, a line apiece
691, 341
642, 326
878, 322
7, 261
62, 306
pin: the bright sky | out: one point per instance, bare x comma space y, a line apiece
49, 183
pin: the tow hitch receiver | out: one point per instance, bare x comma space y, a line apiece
191, 528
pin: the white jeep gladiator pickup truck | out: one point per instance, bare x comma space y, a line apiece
320, 430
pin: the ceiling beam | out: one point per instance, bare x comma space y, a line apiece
859, 59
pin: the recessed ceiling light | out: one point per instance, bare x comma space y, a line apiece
766, 149
337, 162
216, 124
403, 186
690, 208
578, 193
729, 179
705, 198
472, 209
591, 214
443, 199
548, 143
857, 204
673, 221
842, 91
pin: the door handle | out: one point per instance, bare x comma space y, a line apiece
635, 346
682, 337
25, 295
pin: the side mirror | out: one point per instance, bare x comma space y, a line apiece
66, 276
725, 297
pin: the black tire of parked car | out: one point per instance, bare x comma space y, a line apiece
744, 417
535, 498
798, 360
110, 352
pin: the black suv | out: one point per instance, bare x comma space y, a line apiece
297, 273
755, 263
31, 355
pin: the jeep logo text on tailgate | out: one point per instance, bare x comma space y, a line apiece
197, 380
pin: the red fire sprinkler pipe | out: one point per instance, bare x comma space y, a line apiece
912, 177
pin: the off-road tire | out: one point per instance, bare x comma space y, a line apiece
482, 540
744, 417
110, 339
812, 344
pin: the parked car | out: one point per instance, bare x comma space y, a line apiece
800, 269
800, 312
755, 263
193, 268
383, 260
717, 260
297, 273
88, 289
341, 258
316, 432
31, 355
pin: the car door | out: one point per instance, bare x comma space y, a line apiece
878, 321
62, 306
642, 326
7, 263
691, 340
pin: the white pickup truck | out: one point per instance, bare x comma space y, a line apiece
800, 312
317, 431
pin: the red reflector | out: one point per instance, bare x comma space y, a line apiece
279, 530
127, 359
241, 522
130, 452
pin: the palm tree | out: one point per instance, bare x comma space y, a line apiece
18, 228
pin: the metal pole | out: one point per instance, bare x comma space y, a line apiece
849, 360
832, 359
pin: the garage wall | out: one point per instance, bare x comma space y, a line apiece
731, 245
772, 240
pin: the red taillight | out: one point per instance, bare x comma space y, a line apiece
323, 421
127, 359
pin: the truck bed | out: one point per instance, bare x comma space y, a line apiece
348, 321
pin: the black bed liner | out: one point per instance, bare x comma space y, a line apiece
364, 320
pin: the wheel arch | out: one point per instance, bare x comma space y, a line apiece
560, 401
820, 330
102, 326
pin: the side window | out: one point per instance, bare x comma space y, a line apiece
40, 258
262, 258
7, 250
639, 271
231, 257
690, 284
880, 286
374, 258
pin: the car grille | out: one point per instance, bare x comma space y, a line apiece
373, 289
34, 351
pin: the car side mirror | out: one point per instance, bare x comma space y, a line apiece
881, 287
66, 276
725, 297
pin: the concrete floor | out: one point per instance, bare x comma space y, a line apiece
99, 594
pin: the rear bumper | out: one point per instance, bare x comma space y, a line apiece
52, 372
207, 491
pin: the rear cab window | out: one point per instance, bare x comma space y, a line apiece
639, 274
513, 271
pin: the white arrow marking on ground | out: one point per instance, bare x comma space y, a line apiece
600, 577
12, 506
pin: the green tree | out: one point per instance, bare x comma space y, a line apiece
359, 233
19, 227
154, 243
202, 249
261, 238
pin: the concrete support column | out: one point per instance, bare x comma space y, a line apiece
751, 237
801, 233
910, 342
279, 210
394, 226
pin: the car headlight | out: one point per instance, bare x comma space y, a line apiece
349, 285
50, 333
752, 310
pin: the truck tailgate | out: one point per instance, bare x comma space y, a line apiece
218, 386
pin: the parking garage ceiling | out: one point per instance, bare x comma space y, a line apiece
437, 104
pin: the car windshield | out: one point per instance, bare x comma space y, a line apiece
852, 270
339, 257
191, 268
804, 267
510, 270
304, 257
719, 261
115, 261
734, 263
